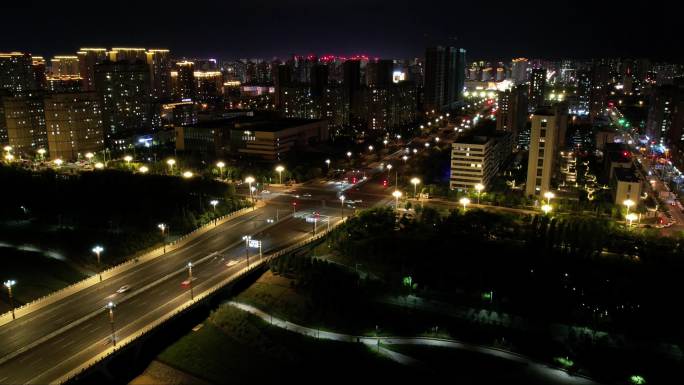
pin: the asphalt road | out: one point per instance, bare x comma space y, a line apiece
45, 344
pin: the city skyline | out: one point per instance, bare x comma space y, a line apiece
400, 30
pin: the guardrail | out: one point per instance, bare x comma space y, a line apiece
113, 271
180, 309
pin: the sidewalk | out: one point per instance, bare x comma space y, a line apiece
377, 343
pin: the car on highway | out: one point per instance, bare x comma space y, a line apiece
265, 192
307, 195
232, 263
186, 283
123, 289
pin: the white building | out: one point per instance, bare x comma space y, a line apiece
478, 158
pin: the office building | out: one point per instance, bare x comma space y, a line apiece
74, 124
39, 72
476, 158
352, 88
249, 136
512, 112
88, 58
124, 88
665, 115
444, 77
543, 149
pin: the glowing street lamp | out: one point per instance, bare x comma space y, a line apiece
187, 174
465, 202
549, 195
370, 148
396, 194
9, 157
220, 165
214, 202
128, 159
415, 182
89, 156
58, 162
8, 284
546, 209
327, 162
192, 294
404, 158
99, 165
280, 170
98, 250
249, 181
389, 168
7, 148
163, 227
342, 198
349, 154
41, 152
110, 307
479, 187
628, 203
143, 169
631, 217
171, 163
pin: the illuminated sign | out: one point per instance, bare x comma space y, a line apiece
254, 244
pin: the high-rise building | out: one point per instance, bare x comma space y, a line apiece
282, 80
583, 92
64, 66
64, 83
519, 70
74, 124
16, 72
537, 86
544, 149
209, 85
665, 115
131, 55
39, 72
476, 158
124, 88
159, 61
352, 88
513, 110
25, 122
600, 84
319, 80
87, 59
379, 73
184, 80
444, 77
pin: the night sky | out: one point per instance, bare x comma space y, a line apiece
398, 29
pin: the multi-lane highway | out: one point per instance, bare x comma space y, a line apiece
44, 345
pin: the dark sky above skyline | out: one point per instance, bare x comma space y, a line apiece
397, 29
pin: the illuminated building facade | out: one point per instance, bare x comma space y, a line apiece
74, 124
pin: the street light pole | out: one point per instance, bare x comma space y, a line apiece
97, 250
342, 197
110, 306
247, 238
8, 285
192, 294
280, 170
163, 227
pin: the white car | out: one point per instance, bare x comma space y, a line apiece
123, 289
265, 192
307, 195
